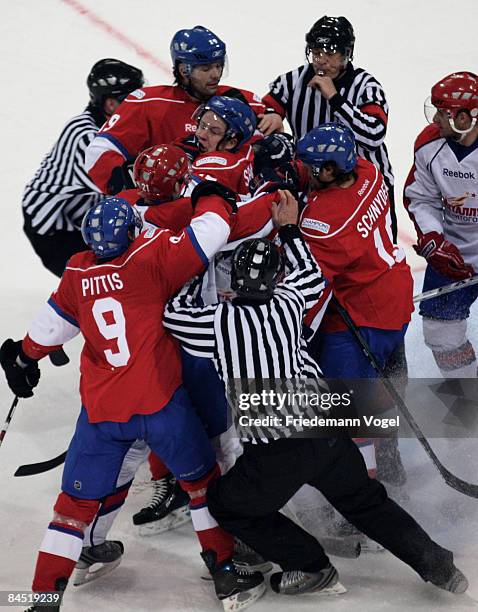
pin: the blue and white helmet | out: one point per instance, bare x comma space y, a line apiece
106, 227
197, 46
239, 117
331, 142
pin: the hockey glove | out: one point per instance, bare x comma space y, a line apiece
274, 151
443, 256
209, 188
21, 371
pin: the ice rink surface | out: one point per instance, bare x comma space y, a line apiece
47, 49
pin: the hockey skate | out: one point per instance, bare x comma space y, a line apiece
457, 583
324, 582
236, 589
96, 561
168, 509
248, 560
60, 586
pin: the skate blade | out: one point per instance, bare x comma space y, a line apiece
88, 574
337, 589
243, 600
173, 520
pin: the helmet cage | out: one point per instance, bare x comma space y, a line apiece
256, 268
157, 170
331, 142
106, 228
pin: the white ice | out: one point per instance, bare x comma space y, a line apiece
47, 49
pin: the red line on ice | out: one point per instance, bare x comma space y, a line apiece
115, 33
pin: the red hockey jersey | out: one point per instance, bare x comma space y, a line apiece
233, 169
129, 364
147, 117
349, 233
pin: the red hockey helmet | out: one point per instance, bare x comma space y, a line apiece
158, 169
454, 93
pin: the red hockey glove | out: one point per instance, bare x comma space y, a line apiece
443, 256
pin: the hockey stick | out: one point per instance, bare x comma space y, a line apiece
428, 295
467, 488
31, 469
8, 419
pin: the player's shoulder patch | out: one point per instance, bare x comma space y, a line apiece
138, 94
211, 159
316, 225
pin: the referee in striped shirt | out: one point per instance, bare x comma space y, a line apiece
329, 88
258, 336
61, 192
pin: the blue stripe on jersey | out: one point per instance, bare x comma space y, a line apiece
62, 314
72, 532
197, 246
118, 144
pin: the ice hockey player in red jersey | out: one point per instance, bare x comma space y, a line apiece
161, 173
442, 200
347, 224
162, 113
130, 379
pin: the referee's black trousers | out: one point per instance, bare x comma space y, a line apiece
246, 503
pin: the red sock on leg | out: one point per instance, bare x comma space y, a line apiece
210, 535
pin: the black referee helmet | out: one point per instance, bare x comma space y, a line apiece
112, 78
256, 267
333, 35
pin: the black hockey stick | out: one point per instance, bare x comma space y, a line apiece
467, 488
8, 419
31, 469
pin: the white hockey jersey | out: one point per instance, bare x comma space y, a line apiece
441, 192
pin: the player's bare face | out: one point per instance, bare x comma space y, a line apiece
204, 80
210, 132
326, 63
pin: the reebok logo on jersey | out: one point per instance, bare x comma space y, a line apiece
315, 224
210, 160
459, 174
138, 93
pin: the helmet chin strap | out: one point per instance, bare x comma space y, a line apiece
462, 133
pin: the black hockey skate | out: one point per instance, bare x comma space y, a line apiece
96, 561
325, 582
168, 509
60, 586
248, 560
457, 583
236, 589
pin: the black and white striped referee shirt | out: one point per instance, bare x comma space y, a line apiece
61, 191
256, 342
360, 104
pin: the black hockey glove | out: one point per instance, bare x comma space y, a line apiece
274, 151
270, 180
121, 178
22, 372
208, 188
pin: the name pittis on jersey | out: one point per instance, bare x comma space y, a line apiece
105, 283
